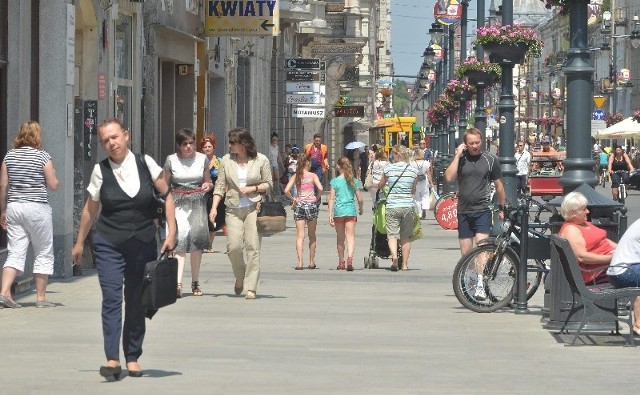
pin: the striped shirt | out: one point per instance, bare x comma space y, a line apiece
25, 167
401, 194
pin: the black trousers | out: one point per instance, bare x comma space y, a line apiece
118, 266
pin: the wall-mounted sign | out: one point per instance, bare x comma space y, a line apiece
303, 99
299, 76
242, 18
308, 86
307, 112
349, 111
336, 48
306, 64
102, 86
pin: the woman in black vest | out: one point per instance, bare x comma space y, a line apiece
122, 190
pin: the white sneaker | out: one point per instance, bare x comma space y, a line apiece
480, 293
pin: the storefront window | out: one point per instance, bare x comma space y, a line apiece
123, 47
123, 104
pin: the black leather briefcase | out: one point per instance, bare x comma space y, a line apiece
160, 282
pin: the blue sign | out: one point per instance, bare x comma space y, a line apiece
598, 115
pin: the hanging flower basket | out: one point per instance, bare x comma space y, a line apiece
509, 44
460, 90
563, 4
506, 53
479, 73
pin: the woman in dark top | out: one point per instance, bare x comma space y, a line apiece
122, 190
619, 168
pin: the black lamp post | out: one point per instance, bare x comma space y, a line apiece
480, 114
462, 122
506, 108
451, 73
578, 71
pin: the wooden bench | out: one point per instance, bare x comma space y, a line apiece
597, 302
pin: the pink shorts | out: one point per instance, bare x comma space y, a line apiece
342, 220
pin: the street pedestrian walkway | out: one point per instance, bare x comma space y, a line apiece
323, 331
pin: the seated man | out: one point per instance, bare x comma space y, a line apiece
625, 267
551, 161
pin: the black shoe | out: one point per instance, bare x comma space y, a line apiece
111, 372
135, 373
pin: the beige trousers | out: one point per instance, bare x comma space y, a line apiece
242, 234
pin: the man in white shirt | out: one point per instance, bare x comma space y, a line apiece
624, 270
523, 160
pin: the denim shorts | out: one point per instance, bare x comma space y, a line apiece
472, 223
628, 278
305, 211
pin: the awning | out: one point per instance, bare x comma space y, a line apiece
384, 122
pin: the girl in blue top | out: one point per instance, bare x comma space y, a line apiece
342, 210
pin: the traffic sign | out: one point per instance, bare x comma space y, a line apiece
598, 115
306, 64
242, 18
599, 101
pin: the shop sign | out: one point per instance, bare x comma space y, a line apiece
306, 64
242, 17
302, 86
303, 99
305, 76
102, 86
447, 12
349, 111
335, 48
307, 112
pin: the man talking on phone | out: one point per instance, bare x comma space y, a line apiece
475, 170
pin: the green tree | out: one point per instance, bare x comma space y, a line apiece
401, 101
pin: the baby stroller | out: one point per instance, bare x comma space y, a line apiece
379, 247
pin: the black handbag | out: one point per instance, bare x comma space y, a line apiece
272, 218
159, 201
159, 283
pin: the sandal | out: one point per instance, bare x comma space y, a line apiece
340, 265
179, 291
394, 265
195, 289
350, 264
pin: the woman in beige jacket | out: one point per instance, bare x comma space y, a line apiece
245, 175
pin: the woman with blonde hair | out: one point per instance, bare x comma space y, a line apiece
421, 197
401, 178
345, 191
26, 174
305, 209
377, 169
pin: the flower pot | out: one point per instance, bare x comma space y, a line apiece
481, 77
506, 53
463, 96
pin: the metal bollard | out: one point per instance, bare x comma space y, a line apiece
521, 296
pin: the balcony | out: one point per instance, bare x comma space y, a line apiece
316, 23
295, 10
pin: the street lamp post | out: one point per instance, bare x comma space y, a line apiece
451, 73
462, 122
578, 167
506, 108
480, 114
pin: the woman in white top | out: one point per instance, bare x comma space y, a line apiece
376, 167
421, 197
27, 172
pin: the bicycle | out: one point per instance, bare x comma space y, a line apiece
536, 209
497, 260
622, 186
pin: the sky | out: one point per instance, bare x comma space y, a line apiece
410, 24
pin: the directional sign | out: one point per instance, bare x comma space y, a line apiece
598, 115
242, 18
306, 64
307, 112
303, 86
298, 76
304, 99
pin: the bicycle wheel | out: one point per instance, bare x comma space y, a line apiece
499, 278
535, 269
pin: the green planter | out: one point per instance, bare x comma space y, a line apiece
506, 53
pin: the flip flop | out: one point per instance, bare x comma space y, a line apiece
311, 267
298, 267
